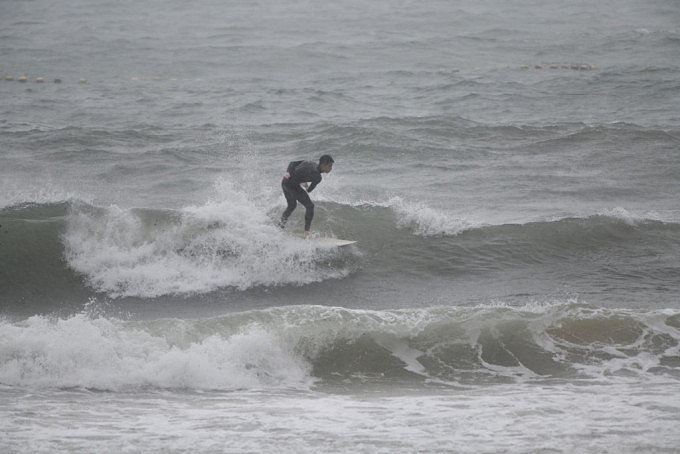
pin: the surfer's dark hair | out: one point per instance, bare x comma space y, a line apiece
326, 159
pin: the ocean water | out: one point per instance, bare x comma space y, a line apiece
509, 170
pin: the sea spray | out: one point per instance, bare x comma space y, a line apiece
127, 252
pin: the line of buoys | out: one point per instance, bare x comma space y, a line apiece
157, 79
41, 80
580, 67
38, 80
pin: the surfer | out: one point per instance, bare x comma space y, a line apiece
299, 175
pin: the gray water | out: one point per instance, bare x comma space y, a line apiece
508, 170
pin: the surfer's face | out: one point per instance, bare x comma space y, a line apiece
326, 168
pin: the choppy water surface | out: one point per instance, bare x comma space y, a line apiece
509, 171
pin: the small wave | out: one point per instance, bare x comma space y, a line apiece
52, 249
415, 216
49, 250
298, 346
426, 221
635, 218
12, 198
149, 253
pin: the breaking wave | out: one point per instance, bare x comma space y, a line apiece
303, 346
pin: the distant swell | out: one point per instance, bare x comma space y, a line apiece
303, 345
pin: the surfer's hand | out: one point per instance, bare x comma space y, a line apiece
286, 176
305, 185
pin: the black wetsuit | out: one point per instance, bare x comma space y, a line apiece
300, 172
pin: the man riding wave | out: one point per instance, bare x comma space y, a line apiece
299, 175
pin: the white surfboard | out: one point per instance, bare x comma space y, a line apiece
330, 242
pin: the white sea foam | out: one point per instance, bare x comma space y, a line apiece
631, 217
281, 347
44, 194
427, 221
517, 418
108, 354
224, 243
168, 379
418, 216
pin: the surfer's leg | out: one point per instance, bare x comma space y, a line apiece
304, 199
292, 203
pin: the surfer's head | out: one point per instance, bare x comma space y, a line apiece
326, 163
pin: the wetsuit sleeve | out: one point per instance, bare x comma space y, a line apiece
314, 183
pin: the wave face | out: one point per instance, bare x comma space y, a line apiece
74, 250
150, 253
302, 346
